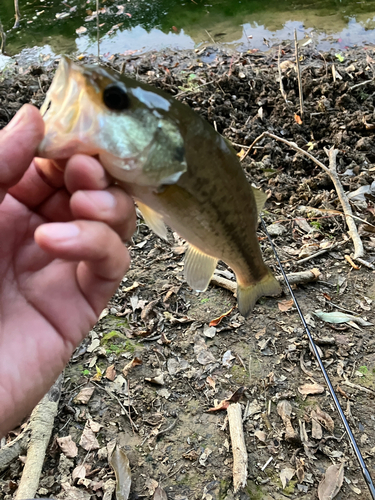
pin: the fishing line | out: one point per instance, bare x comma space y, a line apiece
353, 442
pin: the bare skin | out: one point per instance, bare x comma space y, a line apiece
61, 258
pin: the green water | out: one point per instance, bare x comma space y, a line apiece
140, 25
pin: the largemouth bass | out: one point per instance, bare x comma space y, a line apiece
177, 168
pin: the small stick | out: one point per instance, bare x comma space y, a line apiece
280, 77
298, 74
3, 39
238, 446
97, 29
18, 15
353, 232
294, 278
41, 425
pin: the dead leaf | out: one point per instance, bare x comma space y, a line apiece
160, 494
285, 305
237, 395
223, 405
285, 476
79, 472
332, 482
191, 455
261, 435
310, 389
120, 464
84, 395
284, 409
95, 426
316, 428
158, 380
151, 485
110, 373
130, 288
325, 419
216, 321
68, 446
210, 381
88, 440
134, 362
81, 30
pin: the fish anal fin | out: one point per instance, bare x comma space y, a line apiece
260, 198
198, 268
153, 220
248, 295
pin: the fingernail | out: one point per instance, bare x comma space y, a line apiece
19, 119
59, 231
101, 199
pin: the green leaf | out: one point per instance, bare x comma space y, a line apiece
111, 335
340, 57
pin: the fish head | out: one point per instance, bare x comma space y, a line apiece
93, 110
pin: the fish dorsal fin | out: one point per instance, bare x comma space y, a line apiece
199, 268
260, 199
153, 220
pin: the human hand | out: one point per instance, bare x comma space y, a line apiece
55, 278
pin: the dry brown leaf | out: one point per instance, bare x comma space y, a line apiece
134, 362
300, 472
261, 435
332, 482
151, 485
160, 494
316, 428
79, 472
95, 426
88, 440
120, 464
216, 321
284, 409
84, 395
285, 305
311, 389
285, 476
68, 446
223, 405
210, 381
110, 373
325, 419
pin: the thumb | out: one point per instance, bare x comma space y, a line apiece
18, 144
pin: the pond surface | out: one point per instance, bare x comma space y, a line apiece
141, 25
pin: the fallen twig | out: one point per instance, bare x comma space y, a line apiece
353, 233
238, 446
294, 279
41, 425
298, 74
280, 77
332, 172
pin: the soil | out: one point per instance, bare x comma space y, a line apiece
171, 438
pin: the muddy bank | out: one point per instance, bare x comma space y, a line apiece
186, 367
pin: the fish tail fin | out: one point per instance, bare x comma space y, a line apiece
247, 295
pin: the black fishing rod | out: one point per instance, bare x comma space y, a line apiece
353, 442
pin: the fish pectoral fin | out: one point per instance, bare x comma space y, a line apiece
199, 268
260, 199
248, 295
153, 220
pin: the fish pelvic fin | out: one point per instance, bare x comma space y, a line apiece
198, 268
260, 198
153, 220
248, 295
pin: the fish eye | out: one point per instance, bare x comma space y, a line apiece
116, 97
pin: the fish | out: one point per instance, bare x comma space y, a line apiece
179, 170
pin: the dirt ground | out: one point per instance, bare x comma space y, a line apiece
180, 367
